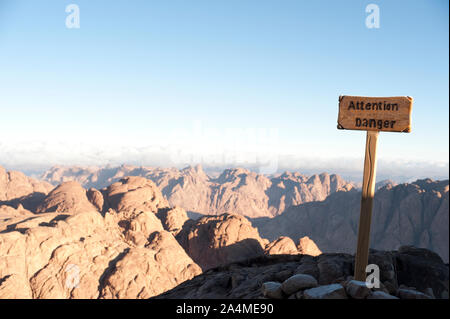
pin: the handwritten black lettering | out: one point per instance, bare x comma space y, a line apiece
374, 123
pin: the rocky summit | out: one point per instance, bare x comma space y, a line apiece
126, 240
409, 273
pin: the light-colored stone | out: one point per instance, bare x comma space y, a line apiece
281, 246
333, 291
307, 246
298, 282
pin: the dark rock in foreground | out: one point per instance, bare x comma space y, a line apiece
409, 273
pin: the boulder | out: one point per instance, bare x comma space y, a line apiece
132, 194
298, 282
68, 197
333, 291
334, 266
272, 290
422, 269
218, 240
139, 227
308, 266
307, 246
357, 289
282, 245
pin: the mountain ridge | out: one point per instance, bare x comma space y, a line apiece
236, 190
410, 213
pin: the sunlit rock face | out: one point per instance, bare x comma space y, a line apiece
85, 244
18, 189
217, 240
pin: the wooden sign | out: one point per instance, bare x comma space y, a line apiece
392, 114
372, 114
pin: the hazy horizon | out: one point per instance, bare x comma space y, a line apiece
386, 171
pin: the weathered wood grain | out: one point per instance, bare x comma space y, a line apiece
391, 114
368, 191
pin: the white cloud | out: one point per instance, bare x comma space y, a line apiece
233, 150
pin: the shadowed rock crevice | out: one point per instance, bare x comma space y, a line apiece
29, 202
109, 270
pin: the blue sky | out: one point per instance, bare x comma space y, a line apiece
139, 79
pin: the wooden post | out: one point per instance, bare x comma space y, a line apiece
368, 190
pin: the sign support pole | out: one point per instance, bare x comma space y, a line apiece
368, 190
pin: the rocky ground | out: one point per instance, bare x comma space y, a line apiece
409, 273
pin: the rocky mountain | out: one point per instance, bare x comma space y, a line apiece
233, 191
407, 214
384, 183
126, 241
70, 249
68, 197
16, 188
123, 241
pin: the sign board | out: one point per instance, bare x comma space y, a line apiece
391, 114
371, 114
